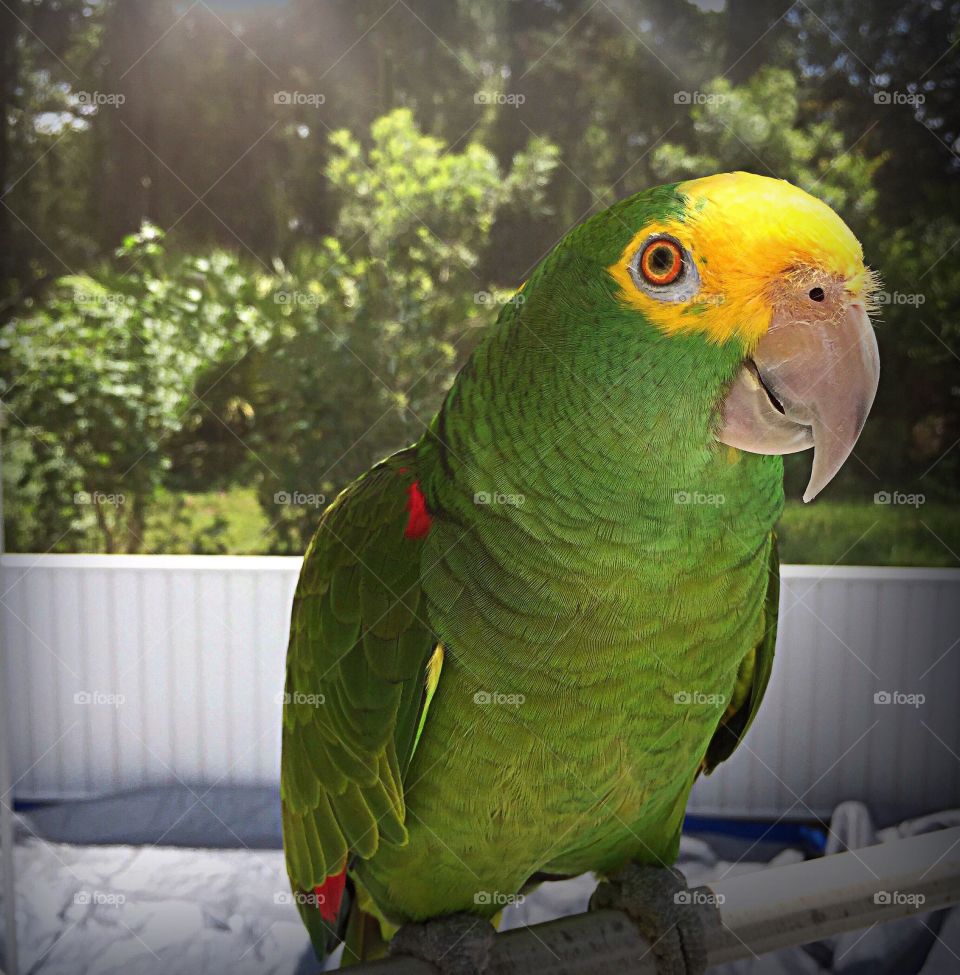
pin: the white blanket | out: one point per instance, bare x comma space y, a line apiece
153, 910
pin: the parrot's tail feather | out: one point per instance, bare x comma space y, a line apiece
332, 913
363, 939
324, 912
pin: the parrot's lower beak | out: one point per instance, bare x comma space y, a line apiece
808, 384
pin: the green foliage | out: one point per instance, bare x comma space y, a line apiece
373, 321
864, 533
919, 333
337, 248
304, 374
209, 523
106, 370
759, 127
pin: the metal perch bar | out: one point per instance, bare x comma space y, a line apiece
758, 912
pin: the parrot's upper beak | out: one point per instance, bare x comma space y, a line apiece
808, 384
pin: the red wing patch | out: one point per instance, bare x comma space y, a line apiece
419, 522
329, 894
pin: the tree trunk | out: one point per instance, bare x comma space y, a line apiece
131, 183
8, 81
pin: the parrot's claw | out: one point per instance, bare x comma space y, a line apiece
458, 944
659, 901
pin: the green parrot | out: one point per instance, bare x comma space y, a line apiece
516, 643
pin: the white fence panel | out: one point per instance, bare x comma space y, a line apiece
132, 670
862, 703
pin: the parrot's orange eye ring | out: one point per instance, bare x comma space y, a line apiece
664, 270
661, 261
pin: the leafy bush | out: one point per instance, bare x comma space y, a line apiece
106, 370
759, 126
188, 372
373, 320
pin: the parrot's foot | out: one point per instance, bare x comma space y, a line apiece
458, 944
659, 901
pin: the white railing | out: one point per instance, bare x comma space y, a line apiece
125, 671
743, 915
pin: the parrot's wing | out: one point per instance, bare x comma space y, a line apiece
752, 677
355, 684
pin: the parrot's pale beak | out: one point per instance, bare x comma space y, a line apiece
808, 384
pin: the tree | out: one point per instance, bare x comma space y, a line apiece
158, 370
374, 320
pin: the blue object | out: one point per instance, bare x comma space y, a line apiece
810, 838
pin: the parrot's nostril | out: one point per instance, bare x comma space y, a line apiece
817, 294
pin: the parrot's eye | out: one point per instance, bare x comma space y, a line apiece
661, 262
662, 269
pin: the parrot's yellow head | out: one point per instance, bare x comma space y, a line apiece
771, 280
742, 248
742, 299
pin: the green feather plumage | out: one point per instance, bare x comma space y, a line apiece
585, 609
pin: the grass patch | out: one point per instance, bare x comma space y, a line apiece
854, 533
824, 532
211, 523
